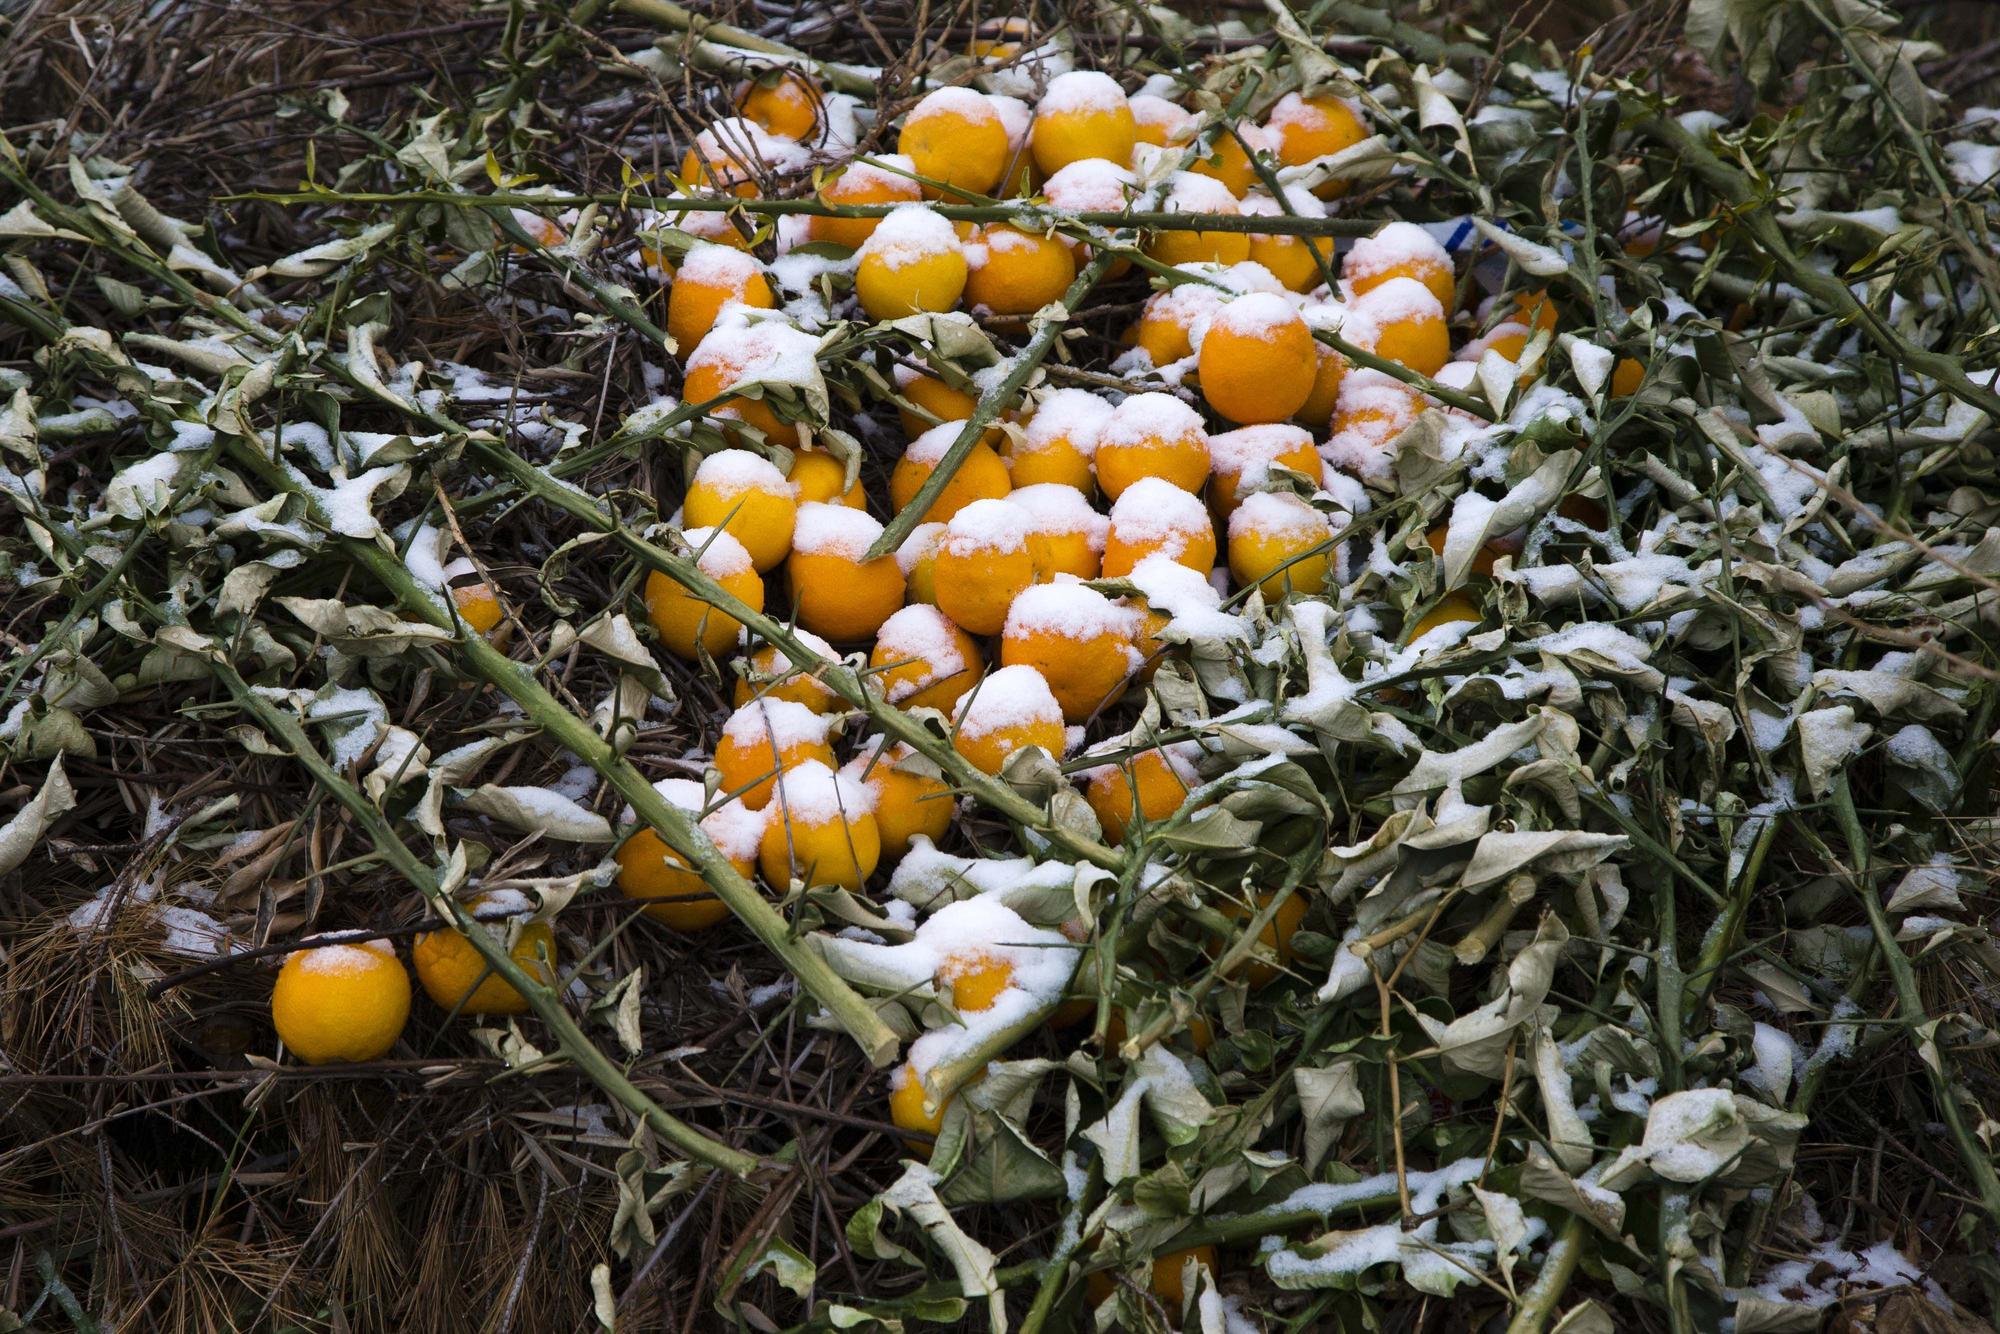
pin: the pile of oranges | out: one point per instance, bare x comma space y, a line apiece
1036, 589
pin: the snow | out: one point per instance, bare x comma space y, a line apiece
763, 351
1009, 699
1069, 610
835, 530
921, 544
933, 444
1150, 419
1059, 510
1189, 193
1972, 165
1067, 416
919, 633
343, 960
734, 143
1262, 316
1193, 606
734, 828
1247, 454
782, 723
1092, 185
813, 794
1279, 515
718, 266
354, 719
1398, 245
966, 104
1156, 514
987, 525
1148, 109
720, 554
1085, 92
1417, 1250
1830, 1272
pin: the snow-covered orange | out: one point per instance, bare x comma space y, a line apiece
1256, 360
768, 671
941, 401
689, 626
910, 797
917, 559
1078, 639
1229, 163
906, 1109
1536, 309
786, 104
1310, 127
1058, 441
1084, 114
1451, 609
912, 263
981, 474
818, 475
1400, 250
734, 154
1167, 321
1139, 789
737, 353
983, 561
1159, 122
1151, 435
1018, 118
1372, 410
837, 591
1295, 261
763, 739
746, 496
1009, 711
1330, 368
1244, 458
1280, 543
975, 978
1188, 192
709, 278
1276, 937
673, 891
923, 661
1013, 273
1400, 321
1068, 535
956, 137
455, 975
1093, 185
1156, 518
880, 181
341, 1002
1627, 377
820, 830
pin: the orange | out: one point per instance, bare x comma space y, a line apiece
674, 893
1083, 114
1154, 518
1294, 261
1536, 309
1143, 789
906, 1109
1058, 442
863, 182
1627, 377
746, 496
1164, 1277
732, 155
1451, 609
1020, 175
917, 559
1373, 410
956, 137
1157, 121
1257, 361
1151, 435
737, 353
1227, 161
934, 402
786, 104
922, 661
1510, 340
454, 974
341, 1002
981, 474
1400, 250
1313, 127
1244, 458
821, 830
711, 277
1482, 563
763, 739
1191, 193
1093, 185
770, 674
1400, 321
975, 979
1275, 937
690, 627
836, 590
983, 562
477, 607
910, 800
1168, 319
911, 263
1009, 711
998, 40
1013, 272
1078, 639
818, 475
1068, 535
1330, 370
1280, 543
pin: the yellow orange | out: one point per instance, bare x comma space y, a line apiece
911, 263
911, 800
1400, 321
1168, 319
983, 561
786, 104
1330, 369
744, 495
1451, 609
1068, 535
837, 591
1311, 127
1009, 711
1057, 444
477, 607
763, 739
711, 277
1017, 272
1400, 250
1280, 543
922, 661
1188, 192
674, 893
1078, 639
821, 830
917, 559
690, 627
455, 975
1229, 163
738, 353
956, 137
981, 474
1084, 114
770, 674
1151, 435
818, 476
1244, 458
1257, 360
1154, 518
880, 181
341, 1002
1141, 789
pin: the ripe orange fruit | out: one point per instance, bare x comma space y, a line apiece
906, 1109
1057, 444
675, 894
763, 739
1159, 122
1151, 435
1093, 185
733, 154
1011, 710
818, 475
1019, 118
1400, 321
1243, 460
1257, 360
862, 182
1510, 340
917, 559
742, 354
1167, 321
690, 627
786, 104
1227, 161
1315, 127
1068, 535
1012, 272
922, 661
341, 1002
975, 978
982, 563
1188, 192
455, 975
1291, 259
1627, 377
1280, 543
1155, 518
770, 674
910, 799
1083, 114
936, 401
477, 607
837, 591
911, 263
821, 830
745, 496
1142, 789
711, 277
956, 137
1536, 309
1276, 935
1164, 1277
1451, 609
1330, 369
981, 474
1400, 250
1078, 639
1373, 410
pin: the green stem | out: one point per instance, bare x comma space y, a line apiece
1538, 1303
